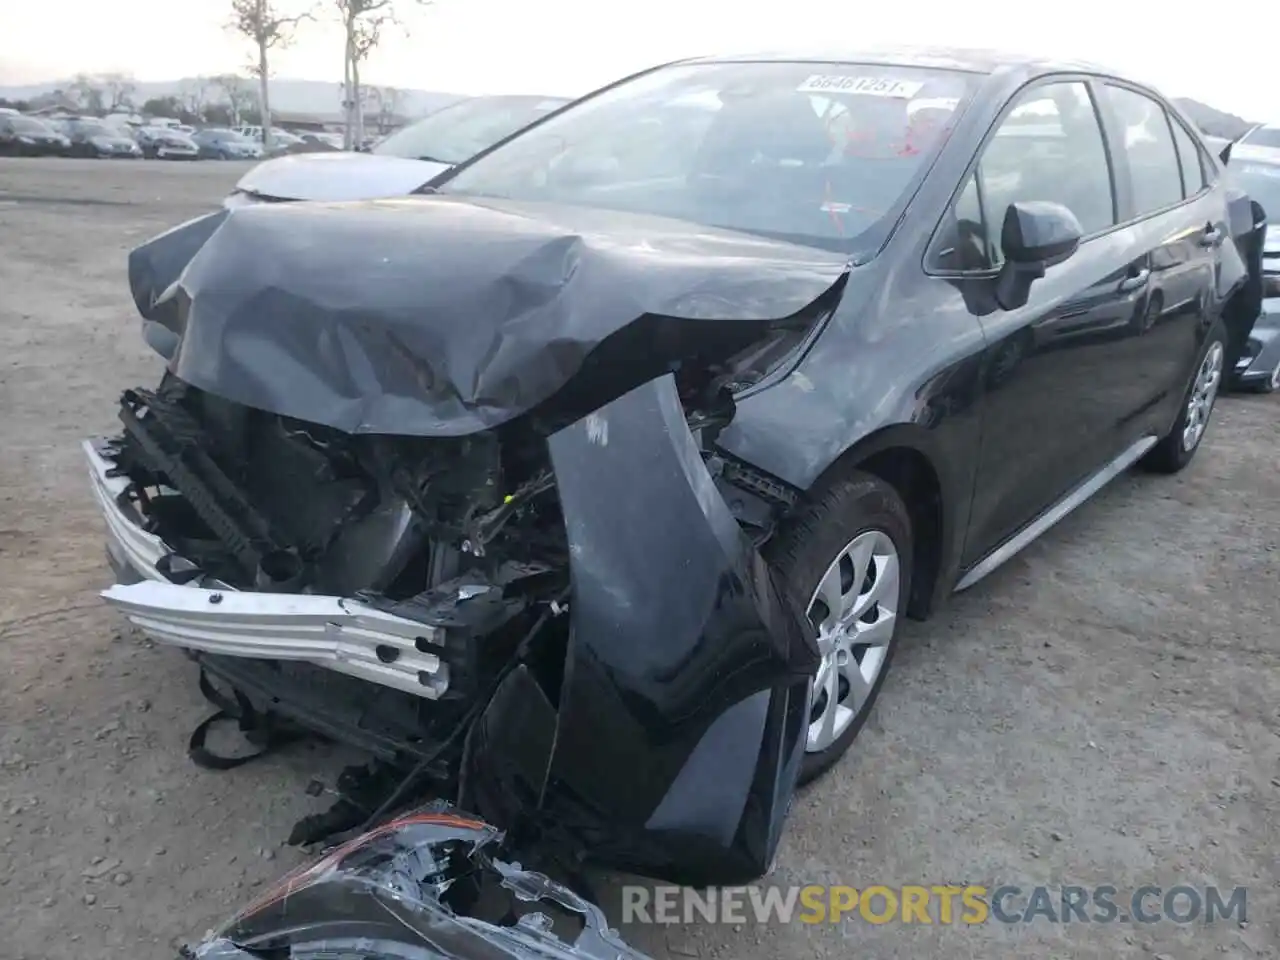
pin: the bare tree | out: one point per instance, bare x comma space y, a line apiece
237, 92
388, 100
119, 90
363, 23
194, 95
86, 92
262, 22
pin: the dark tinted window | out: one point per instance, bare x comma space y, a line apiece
1048, 147
1148, 145
1193, 179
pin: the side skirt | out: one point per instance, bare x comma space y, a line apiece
1068, 503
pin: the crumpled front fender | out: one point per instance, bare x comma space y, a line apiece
673, 744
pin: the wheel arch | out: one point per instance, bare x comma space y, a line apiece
906, 457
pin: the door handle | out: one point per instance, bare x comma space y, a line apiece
1211, 237
1136, 281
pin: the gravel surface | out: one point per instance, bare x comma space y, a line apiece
1103, 710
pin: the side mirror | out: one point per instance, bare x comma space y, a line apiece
1036, 235
1225, 154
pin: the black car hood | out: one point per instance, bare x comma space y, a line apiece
434, 316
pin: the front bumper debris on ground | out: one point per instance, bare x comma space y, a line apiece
427, 884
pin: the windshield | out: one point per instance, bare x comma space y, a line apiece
1262, 182
1262, 137
464, 129
92, 129
25, 125
816, 153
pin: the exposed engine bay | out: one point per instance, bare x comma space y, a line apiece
507, 560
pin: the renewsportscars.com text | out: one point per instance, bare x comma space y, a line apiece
933, 904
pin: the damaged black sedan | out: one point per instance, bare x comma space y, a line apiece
588, 487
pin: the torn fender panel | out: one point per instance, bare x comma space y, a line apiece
436, 316
682, 710
155, 266
406, 889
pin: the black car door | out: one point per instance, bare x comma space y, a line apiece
1049, 405
1175, 217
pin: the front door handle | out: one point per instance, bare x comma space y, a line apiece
1211, 237
1135, 282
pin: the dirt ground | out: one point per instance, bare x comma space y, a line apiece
1104, 710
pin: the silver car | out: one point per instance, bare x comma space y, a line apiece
1262, 143
1259, 365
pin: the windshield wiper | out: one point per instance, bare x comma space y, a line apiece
431, 159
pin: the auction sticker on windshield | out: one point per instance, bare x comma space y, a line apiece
864, 86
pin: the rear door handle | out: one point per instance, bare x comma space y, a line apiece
1211, 237
1136, 281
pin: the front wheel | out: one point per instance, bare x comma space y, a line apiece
1179, 445
847, 557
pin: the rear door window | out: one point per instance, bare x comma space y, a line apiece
1149, 149
1193, 178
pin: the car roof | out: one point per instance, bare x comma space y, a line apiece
970, 60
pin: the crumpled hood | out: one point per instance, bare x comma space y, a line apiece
338, 176
435, 316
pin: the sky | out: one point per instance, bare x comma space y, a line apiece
568, 47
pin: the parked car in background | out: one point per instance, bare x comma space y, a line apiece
601, 479
166, 143
1258, 367
283, 140
402, 161
280, 139
92, 138
323, 139
218, 143
170, 123
1260, 143
28, 137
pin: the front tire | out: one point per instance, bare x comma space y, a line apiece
1176, 449
845, 558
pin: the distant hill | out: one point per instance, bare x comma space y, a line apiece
318, 97
1214, 122
293, 96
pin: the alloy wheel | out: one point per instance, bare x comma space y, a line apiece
854, 610
1203, 393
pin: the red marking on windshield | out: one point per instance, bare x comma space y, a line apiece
830, 204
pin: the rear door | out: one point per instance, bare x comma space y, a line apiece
1178, 221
